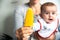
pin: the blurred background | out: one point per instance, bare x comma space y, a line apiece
7, 8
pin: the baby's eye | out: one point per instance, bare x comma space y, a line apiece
53, 13
46, 13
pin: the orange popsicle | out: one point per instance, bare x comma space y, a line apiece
28, 22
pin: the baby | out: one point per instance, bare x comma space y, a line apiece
48, 23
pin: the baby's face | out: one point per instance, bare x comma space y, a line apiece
49, 14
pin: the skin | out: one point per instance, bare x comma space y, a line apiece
24, 32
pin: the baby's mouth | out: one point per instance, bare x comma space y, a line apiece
50, 19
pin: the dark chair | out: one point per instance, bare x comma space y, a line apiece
6, 37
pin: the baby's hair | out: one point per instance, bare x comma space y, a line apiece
46, 4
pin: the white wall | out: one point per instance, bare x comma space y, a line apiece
7, 8
7, 13
6, 16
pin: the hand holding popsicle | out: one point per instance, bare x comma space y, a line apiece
28, 22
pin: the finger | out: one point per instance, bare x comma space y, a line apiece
26, 28
17, 34
19, 30
26, 36
27, 32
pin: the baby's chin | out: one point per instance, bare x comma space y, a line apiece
49, 22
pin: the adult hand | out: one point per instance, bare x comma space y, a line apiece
23, 33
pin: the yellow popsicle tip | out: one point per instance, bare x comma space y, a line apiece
29, 18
